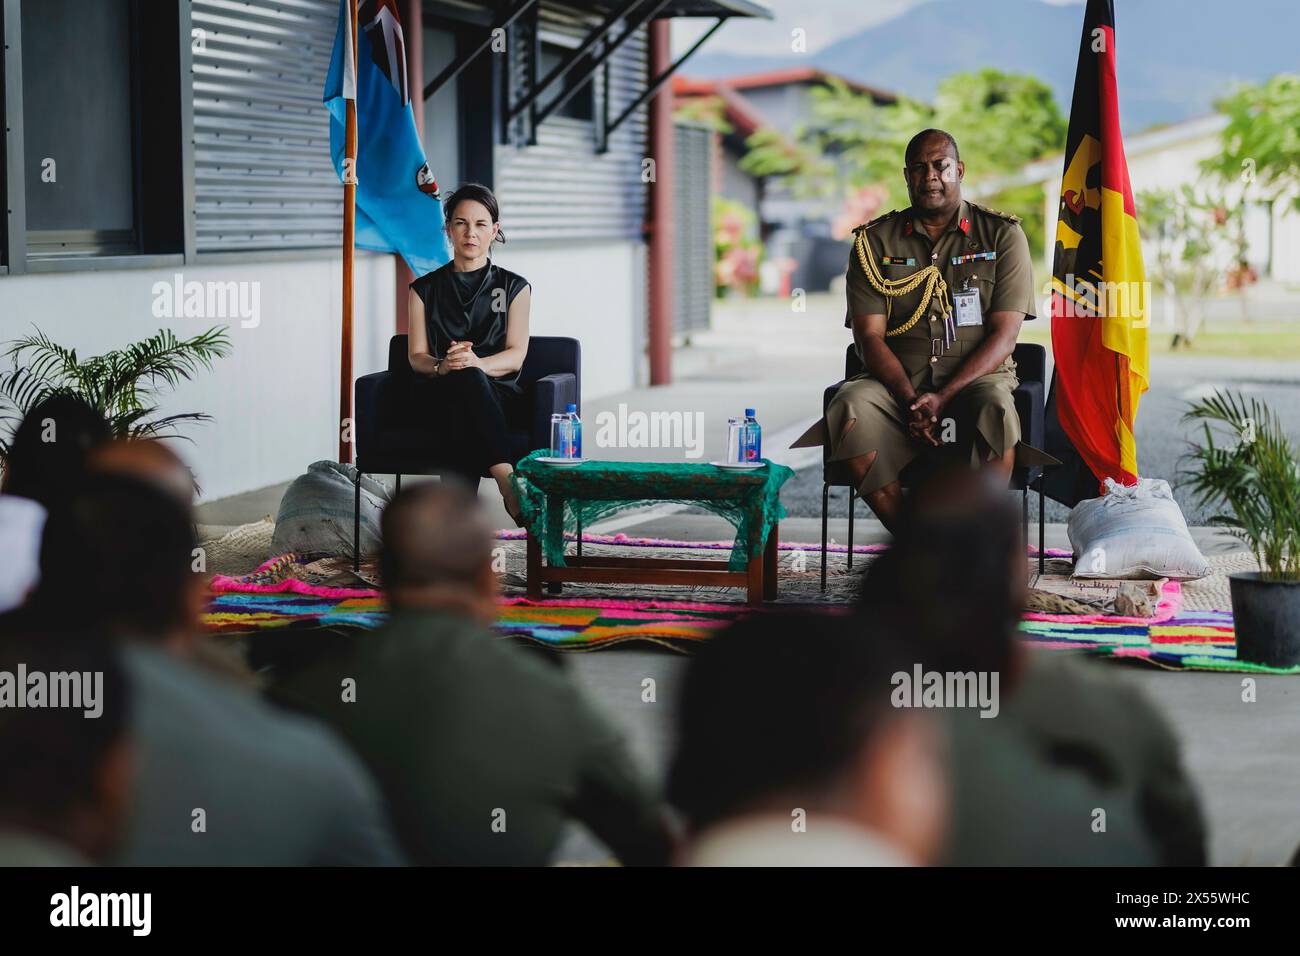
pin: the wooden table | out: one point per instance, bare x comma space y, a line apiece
736, 493
759, 580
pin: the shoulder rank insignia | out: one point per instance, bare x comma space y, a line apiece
878, 219
996, 212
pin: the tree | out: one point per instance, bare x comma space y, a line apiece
1000, 121
771, 155
1198, 240
1261, 143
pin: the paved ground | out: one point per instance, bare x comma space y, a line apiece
1245, 757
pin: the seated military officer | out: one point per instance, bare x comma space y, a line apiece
936, 295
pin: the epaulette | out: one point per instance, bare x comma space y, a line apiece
868, 225
994, 212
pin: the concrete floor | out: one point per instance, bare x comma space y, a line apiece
1245, 757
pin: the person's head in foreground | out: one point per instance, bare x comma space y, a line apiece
46, 459
64, 788
952, 583
790, 752
48, 451
149, 460
121, 553
437, 552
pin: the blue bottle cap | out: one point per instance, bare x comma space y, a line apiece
571, 407
749, 413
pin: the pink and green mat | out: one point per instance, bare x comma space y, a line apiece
281, 593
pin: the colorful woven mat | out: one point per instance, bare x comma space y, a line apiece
276, 596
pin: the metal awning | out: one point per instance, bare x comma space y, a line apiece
700, 8
620, 20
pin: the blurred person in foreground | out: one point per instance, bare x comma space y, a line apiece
151, 461
222, 778
791, 754
483, 749
66, 770
46, 459
1069, 738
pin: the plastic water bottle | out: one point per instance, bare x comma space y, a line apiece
571, 410
753, 437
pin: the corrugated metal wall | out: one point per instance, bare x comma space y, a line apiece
263, 178
561, 188
692, 228
262, 173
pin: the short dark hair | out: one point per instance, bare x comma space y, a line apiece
118, 551
475, 192
51, 755
433, 534
946, 583
914, 143
778, 704
47, 470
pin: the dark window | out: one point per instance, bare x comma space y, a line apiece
460, 119
582, 105
442, 111
78, 127
99, 101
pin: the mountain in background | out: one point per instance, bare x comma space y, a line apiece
1175, 56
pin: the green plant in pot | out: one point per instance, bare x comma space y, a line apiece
1247, 465
121, 384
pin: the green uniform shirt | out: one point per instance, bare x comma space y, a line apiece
981, 249
482, 748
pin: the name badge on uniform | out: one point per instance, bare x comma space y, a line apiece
966, 304
897, 261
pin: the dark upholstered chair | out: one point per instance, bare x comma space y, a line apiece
1030, 397
388, 442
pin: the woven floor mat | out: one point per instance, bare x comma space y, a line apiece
243, 549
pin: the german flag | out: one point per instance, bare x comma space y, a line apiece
1099, 292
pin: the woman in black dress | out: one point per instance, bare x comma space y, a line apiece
468, 335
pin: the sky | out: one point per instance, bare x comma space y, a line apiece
823, 22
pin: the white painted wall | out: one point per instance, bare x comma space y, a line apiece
1286, 241
274, 400
594, 292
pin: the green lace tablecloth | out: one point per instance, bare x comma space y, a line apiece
555, 499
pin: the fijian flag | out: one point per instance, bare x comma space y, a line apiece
1099, 292
398, 209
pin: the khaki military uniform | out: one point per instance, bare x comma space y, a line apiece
982, 249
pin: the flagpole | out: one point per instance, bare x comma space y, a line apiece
349, 229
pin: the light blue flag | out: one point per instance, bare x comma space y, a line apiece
397, 206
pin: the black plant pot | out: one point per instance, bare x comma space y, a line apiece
1266, 616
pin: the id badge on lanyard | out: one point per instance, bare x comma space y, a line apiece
966, 306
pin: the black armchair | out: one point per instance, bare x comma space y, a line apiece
388, 443
1030, 399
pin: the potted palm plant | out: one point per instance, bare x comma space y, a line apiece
121, 384
1247, 464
